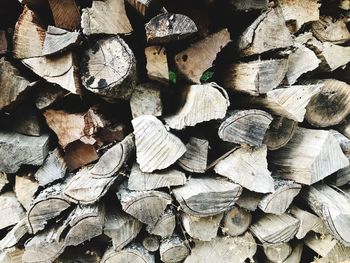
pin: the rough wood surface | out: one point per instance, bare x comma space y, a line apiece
333, 56
249, 200
15, 235
244, 5
151, 243
195, 158
77, 154
145, 7
277, 252
328, 29
11, 209
3, 42
295, 256
173, 249
3, 181
157, 64
25, 188
236, 221
133, 253
11, 255
165, 225
66, 14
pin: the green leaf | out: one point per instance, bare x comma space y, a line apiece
172, 77
207, 75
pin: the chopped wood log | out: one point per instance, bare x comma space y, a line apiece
29, 36
274, 229
15, 235
324, 158
58, 40
295, 256
224, 249
167, 27
340, 177
145, 7
25, 189
343, 141
11, 255
344, 4
334, 56
78, 154
249, 200
48, 94
146, 100
333, 207
195, 158
201, 228
109, 69
11, 210
97, 19
3, 42
327, 29
115, 132
245, 127
151, 243
17, 149
133, 253
255, 77
278, 201
270, 23
199, 57
279, 133
157, 64
200, 196
330, 106
140, 181
65, 13
244, 5
236, 221
121, 228
156, 148
12, 85
289, 102
89, 253
165, 224
248, 168
203, 103
3, 181
277, 252
173, 249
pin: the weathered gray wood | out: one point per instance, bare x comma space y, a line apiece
249, 200
244, 5
157, 64
329, 29
173, 249
11, 255
197, 58
248, 168
15, 235
277, 252
343, 141
295, 256
195, 158
151, 243
145, 7
236, 221
324, 157
66, 14
156, 148
133, 253
3, 181
207, 196
165, 225
11, 210
25, 188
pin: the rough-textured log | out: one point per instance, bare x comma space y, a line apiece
324, 157
3, 42
193, 61
173, 249
109, 69
11, 255
236, 221
145, 7
244, 5
78, 154
87, 253
65, 13
344, 4
156, 148
165, 224
295, 256
15, 235
157, 64
277, 252
327, 29
151, 243
207, 196
167, 27
25, 188
247, 167
249, 200
195, 158
343, 141
97, 19
11, 210
3, 181
48, 94
333, 56
133, 253
203, 103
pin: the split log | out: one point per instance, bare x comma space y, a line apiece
343, 141
270, 23
89, 253
65, 13
278, 201
121, 228
17, 149
340, 177
15, 235
249, 200
330, 106
248, 168
3, 181
133, 253
327, 29
199, 57
156, 148
165, 225
25, 189
48, 94
279, 133
173, 249
236, 221
58, 40
97, 19
324, 158
203, 103
295, 256
277, 252
344, 4
151, 243
245, 5
11, 255
77, 154
145, 7
195, 158
140, 181
167, 27
207, 196
3, 42
146, 100
255, 77
109, 69
157, 64
274, 229
333, 207
245, 127
11, 210
224, 249
334, 56
201, 228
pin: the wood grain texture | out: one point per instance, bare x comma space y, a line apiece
3, 42
15, 235
25, 188
195, 158
249, 200
3, 181
133, 253
66, 14
165, 225
328, 29
277, 252
151, 243
145, 7
236, 221
295, 256
173, 249
11, 210
157, 64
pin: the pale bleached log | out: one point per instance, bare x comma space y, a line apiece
343, 141
195, 158
193, 61
173, 249
274, 229
344, 4
17, 149
151, 243
201, 228
145, 7
255, 77
109, 68
58, 40
156, 148
3, 181
11, 209
165, 225
66, 13
168, 27
334, 56
329, 29
295, 256
140, 181
324, 157
236, 221
277, 252
135, 253
157, 64
245, 127
25, 188
15, 235
207, 196
224, 250
279, 133
248, 168
78, 154
98, 18
202, 103
270, 23
146, 100
11, 255
249, 200
245, 5
330, 106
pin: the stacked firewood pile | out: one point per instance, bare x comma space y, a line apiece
204, 131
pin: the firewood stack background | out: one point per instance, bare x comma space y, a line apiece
203, 131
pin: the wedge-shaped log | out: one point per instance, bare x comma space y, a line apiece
157, 64
328, 29
25, 188
66, 14
249, 200
277, 252
145, 7
135, 253
295, 256
165, 225
173, 249
15, 235
236, 221
195, 158
333, 56
48, 94
77, 154
11, 210
12, 255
